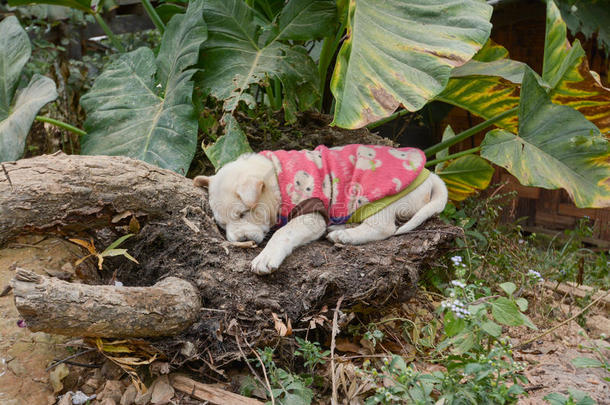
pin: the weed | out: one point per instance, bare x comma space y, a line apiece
287, 388
575, 397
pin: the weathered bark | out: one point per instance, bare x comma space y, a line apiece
179, 238
209, 392
55, 306
71, 193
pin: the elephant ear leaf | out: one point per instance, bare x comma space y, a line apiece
567, 71
141, 106
16, 119
465, 175
237, 55
229, 146
557, 147
401, 53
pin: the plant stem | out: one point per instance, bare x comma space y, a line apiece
269, 92
108, 32
61, 124
329, 47
152, 13
325, 57
454, 156
469, 132
277, 92
382, 121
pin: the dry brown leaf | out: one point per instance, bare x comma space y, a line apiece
282, 328
346, 345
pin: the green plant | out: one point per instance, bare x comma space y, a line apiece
257, 52
110, 251
600, 361
17, 111
475, 379
575, 397
311, 353
472, 316
141, 105
286, 388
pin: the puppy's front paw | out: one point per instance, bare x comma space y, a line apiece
267, 261
340, 236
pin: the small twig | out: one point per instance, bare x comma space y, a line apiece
6, 175
85, 365
534, 388
264, 371
363, 356
247, 362
334, 400
266, 383
69, 358
527, 342
484, 299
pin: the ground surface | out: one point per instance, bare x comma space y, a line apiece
24, 355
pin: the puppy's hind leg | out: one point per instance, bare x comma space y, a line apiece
436, 205
376, 227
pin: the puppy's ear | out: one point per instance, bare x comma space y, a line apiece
249, 191
202, 181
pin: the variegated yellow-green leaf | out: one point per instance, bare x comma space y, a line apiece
487, 85
567, 71
447, 134
465, 176
557, 147
401, 53
229, 146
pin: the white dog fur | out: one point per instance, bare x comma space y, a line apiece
245, 199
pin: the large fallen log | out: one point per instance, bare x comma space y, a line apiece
179, 238
56, 306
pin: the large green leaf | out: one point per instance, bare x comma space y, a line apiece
567, 71
557, 147
229, 146
15, 50
401, 53
488, 85
240, 53
465, 176
83, 5
302, 20
130, 113
16, 120
589, 17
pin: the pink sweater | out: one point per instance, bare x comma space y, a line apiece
344, 178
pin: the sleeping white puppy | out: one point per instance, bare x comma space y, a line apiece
303, 196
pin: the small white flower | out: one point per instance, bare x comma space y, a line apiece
457, 260
535, 276
458, 283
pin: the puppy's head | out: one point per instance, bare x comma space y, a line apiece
244, 197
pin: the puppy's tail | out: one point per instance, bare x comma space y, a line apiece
436, 205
